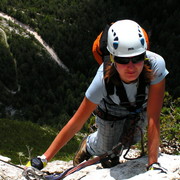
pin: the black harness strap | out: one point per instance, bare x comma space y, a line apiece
121, 92
103, 41
141, 95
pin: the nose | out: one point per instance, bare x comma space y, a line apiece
130, 64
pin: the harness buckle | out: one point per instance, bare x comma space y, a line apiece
116, 150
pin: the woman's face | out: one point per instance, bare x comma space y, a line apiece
129, 72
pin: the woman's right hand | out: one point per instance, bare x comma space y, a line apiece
38, 162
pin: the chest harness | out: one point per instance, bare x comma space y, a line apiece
132, 108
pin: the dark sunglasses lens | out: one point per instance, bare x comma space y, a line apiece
126, 60
137, 59
121, 60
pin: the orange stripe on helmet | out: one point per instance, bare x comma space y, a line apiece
146, 38
96, 49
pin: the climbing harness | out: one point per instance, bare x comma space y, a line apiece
128, 136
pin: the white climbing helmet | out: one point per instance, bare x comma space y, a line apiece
126, 38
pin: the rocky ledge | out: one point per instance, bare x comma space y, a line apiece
132, 170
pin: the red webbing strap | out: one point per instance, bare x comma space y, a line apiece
76, 168
116, 150
84, 164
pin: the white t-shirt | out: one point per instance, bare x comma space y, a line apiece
97, 91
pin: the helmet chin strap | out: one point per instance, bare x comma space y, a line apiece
111, 58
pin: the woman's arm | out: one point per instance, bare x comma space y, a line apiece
73, 126
155, 101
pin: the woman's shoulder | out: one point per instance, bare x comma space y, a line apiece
155, 60
152, 56
158, 66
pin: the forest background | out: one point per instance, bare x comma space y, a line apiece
36, 89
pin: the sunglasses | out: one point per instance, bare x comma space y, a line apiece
126, 60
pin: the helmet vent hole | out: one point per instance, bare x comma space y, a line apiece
115, 45
142, 41
116, 39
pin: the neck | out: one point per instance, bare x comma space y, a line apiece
130, 82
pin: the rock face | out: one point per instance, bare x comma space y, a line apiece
132, 170
9, 172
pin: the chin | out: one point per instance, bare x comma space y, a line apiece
131, 80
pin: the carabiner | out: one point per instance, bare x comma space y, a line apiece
32, 173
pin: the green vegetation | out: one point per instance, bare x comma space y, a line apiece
70, 27
170, 123
23, 140
47, 92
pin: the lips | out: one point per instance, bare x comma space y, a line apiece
131, 72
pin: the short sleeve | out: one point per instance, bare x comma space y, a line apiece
158, 66
96, 91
